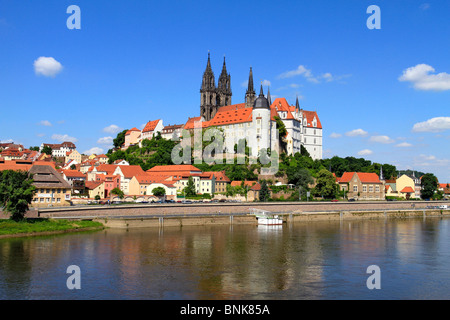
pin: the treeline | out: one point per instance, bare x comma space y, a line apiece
296, 168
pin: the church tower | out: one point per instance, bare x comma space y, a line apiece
223, 92
208, 99
250, 96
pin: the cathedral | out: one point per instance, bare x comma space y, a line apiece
255, 119
212, 97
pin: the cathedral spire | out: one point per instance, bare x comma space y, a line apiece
297, 105
250, 94
261, 92
268, 96
250, 82
208, 64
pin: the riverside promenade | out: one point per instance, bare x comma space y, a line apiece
177, 214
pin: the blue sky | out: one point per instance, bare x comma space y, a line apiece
381, 94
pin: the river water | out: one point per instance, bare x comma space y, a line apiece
305, 260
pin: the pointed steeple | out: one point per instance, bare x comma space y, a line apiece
250, 82
208, 82
261, 92
250, 93
268, 96
297, 105
208, 64
224, 67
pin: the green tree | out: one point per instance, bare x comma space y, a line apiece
429, 185
36, 148
97, 197
47, 150
159, 191
16, 192
326, 185
73, 167
189, 190
281, 133
264, 192
301, 177
118, 193
120, 139
304, 152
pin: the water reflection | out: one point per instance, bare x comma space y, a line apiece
317, 260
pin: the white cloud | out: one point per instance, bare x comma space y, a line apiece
307, 73
40, 135
335, 135
47, 66
404, 145
356, 133
112, 129
94, 150
365, 152
422, 79
266, 83
45, 123
106, 140
64, 138
424, 6
381, 139
301, 70
430, 161
7, 141
437, 124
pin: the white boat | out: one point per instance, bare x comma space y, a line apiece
266, 217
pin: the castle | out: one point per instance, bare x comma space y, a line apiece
254, 120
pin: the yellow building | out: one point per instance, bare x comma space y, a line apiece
405, 187
73, 155
138, 185
95, 188
131, 137
51, 188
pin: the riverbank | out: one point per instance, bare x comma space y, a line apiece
182, 220
39, 227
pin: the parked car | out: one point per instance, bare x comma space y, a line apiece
351, 199
187, 201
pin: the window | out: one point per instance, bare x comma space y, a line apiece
364, 188
377, 188
355, 188
370, 188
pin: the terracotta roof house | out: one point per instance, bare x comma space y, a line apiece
52, 189
362, 186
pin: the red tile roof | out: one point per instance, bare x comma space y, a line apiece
151, 125
73, 173
108, 168
190, 124
281, 105
175, 168
231, 117
131, 130
363, 177
131, 171
407, 190
309, 115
